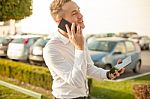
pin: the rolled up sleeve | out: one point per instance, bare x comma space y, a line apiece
93, 71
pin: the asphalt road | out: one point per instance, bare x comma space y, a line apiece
145, 55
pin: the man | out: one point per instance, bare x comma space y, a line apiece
67, 56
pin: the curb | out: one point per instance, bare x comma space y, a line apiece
136, 76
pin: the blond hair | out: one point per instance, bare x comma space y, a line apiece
56, 8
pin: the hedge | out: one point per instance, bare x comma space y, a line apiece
34, 75
31, 74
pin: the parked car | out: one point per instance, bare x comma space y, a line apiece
127, 34
106, 51
36, 51
135, 39
18, 48
143, 41
4, 41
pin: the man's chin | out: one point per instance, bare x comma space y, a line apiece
83, 26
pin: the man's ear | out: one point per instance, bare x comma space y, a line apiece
58, 19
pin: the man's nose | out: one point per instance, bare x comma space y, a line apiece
80, 15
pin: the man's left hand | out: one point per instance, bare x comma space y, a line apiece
117, 73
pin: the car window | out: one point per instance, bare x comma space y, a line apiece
26, 41
3, 40
31, 41
130, 46
19, 40
92, 45
120, 47
105, 46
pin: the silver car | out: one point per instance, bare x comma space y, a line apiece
36, 51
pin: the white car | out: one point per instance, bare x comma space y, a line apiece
144, 43
18, 48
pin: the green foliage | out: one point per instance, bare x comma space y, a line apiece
34, 75
7, 93
116, 90
15, 9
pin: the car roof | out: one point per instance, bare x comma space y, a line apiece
110, 39
24, 36
5, 37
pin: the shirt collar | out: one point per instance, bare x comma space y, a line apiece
64, 39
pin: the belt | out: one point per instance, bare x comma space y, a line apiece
75, 98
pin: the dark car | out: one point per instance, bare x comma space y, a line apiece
36, 51
4, 41
106, 51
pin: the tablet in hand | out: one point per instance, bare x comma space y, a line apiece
125, 62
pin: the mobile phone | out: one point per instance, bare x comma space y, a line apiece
125, 62
62, 24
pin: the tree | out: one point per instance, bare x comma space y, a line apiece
15, 9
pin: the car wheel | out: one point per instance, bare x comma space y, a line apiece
107, 67
31, 62
147, 48
137, 68
43, 64
144, 47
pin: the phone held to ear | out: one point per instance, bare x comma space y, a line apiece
125, 62
62, 24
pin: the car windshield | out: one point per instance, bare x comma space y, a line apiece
4, 40
105, 46
41, 42
20, 40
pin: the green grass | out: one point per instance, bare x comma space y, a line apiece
100, 90
46, 94
116, 90
6, 93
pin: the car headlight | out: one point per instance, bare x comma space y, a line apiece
38, 51
104, 59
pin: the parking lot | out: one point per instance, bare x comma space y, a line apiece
145, 56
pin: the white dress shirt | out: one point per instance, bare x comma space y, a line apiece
69, 68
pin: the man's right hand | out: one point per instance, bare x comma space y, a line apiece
76, 38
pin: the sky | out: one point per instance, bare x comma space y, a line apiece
100, 16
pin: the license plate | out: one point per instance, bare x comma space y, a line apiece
2, 52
